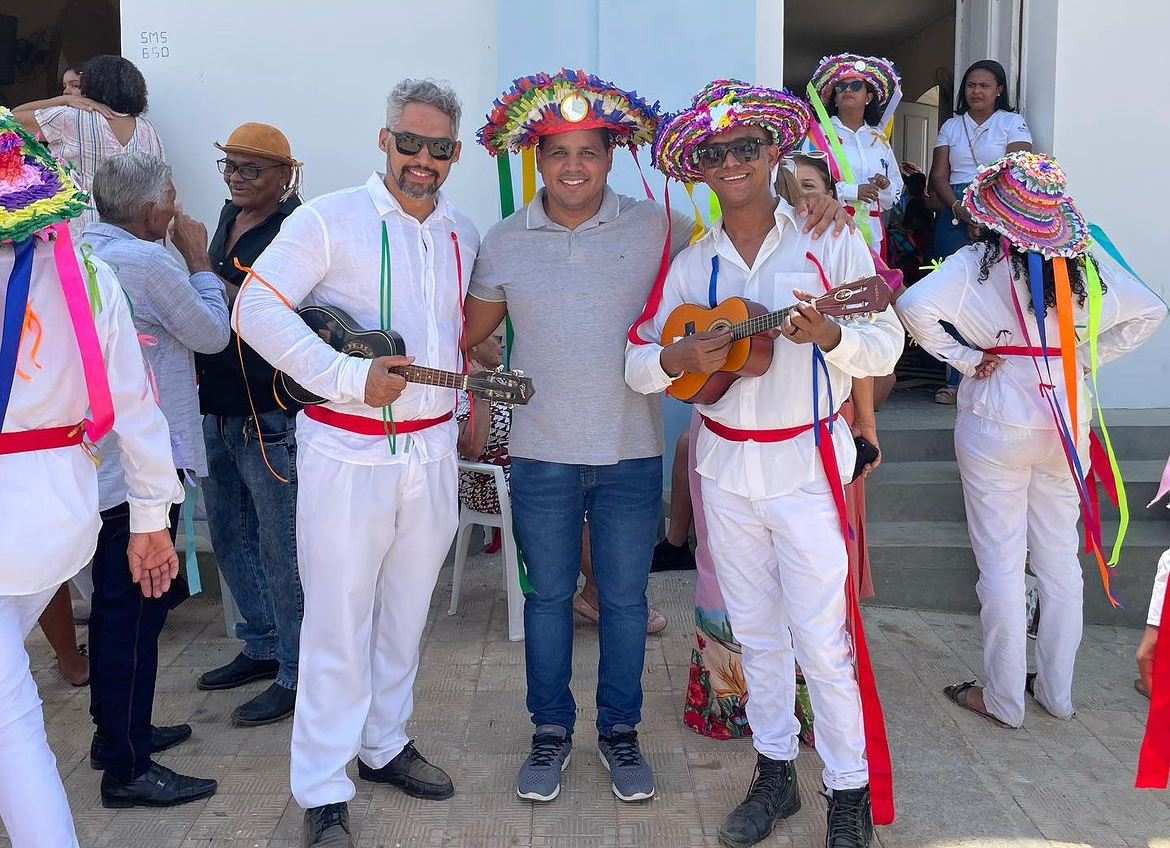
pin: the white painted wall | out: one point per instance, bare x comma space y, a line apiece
1085, 103
318, 71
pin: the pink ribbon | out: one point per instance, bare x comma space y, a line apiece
1163, 487
97, 385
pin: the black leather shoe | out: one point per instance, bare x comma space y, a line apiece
328, 827
239, 671
161, 738
772, 796
849, 819
270, 706
158, 787
411, 773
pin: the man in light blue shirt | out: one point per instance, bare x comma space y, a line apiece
177, 312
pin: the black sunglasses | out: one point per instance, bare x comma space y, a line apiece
744, 150
849, 85
248, 172
409, 144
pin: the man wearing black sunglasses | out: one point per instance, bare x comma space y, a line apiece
376, 468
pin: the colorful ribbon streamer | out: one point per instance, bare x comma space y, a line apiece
101, 404
12, 327
844, 168
1153, 771
191, 559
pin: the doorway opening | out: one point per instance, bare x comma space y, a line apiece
40, 39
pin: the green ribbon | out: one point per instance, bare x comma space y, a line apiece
91, 286
860, 215
507, 207
1094, 303
194, 582
384, 293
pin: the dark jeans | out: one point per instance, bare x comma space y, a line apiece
251, 516
550, 501
123, 647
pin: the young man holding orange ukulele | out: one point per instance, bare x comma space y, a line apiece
771, 467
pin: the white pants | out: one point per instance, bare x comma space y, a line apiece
1021, 500
781, 565
33, 805
370, 542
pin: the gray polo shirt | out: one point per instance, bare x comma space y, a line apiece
572, 295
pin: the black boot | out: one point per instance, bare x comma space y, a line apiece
270, 706
411, 773
850, 824
773, 795
157, 787
328, 827
161, 738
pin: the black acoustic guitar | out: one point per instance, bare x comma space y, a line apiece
342, 333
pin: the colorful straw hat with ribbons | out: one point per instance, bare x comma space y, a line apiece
1022, 196
878, 73
723, 105
37, 199
544, 104
35, 190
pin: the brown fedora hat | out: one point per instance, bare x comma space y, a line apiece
260, 140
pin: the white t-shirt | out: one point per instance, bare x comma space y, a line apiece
989, 140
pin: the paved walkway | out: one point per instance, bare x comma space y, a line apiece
960, 782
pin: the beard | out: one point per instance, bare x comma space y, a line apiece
414, 190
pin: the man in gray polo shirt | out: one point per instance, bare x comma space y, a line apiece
573, 269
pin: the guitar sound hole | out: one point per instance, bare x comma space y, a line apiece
718, 325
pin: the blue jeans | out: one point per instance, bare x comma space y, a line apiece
252, 519
550, 501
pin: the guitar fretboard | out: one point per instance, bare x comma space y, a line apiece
432, 376
759, 324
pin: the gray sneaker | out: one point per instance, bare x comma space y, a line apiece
540, 775
633, 779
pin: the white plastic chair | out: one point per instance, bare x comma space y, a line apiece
469, 518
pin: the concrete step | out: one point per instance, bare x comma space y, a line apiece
932, 491
916, 429
930, 565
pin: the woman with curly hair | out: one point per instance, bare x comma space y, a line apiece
104, 120
1020, 494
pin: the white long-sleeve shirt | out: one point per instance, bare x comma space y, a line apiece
329, 253
782, 397
1159, 595
985, 317
49, 499
868, 153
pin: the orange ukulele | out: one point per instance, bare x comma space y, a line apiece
753, 331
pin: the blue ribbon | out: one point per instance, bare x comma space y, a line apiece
713, 287
188, 515
1100, 238
819, 364
15, 304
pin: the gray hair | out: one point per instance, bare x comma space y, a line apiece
437, 93
125, 183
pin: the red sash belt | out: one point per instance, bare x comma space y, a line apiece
364, 426
877, 746
1022, 350
26, 441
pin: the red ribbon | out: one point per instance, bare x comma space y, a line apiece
364, 426
1153, 770
48, 438
654, 299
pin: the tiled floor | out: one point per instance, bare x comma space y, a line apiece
959, 780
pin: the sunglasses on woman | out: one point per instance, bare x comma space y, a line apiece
409, 144
849, 85
744, 150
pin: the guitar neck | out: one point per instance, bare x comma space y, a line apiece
432, 376
759, 324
